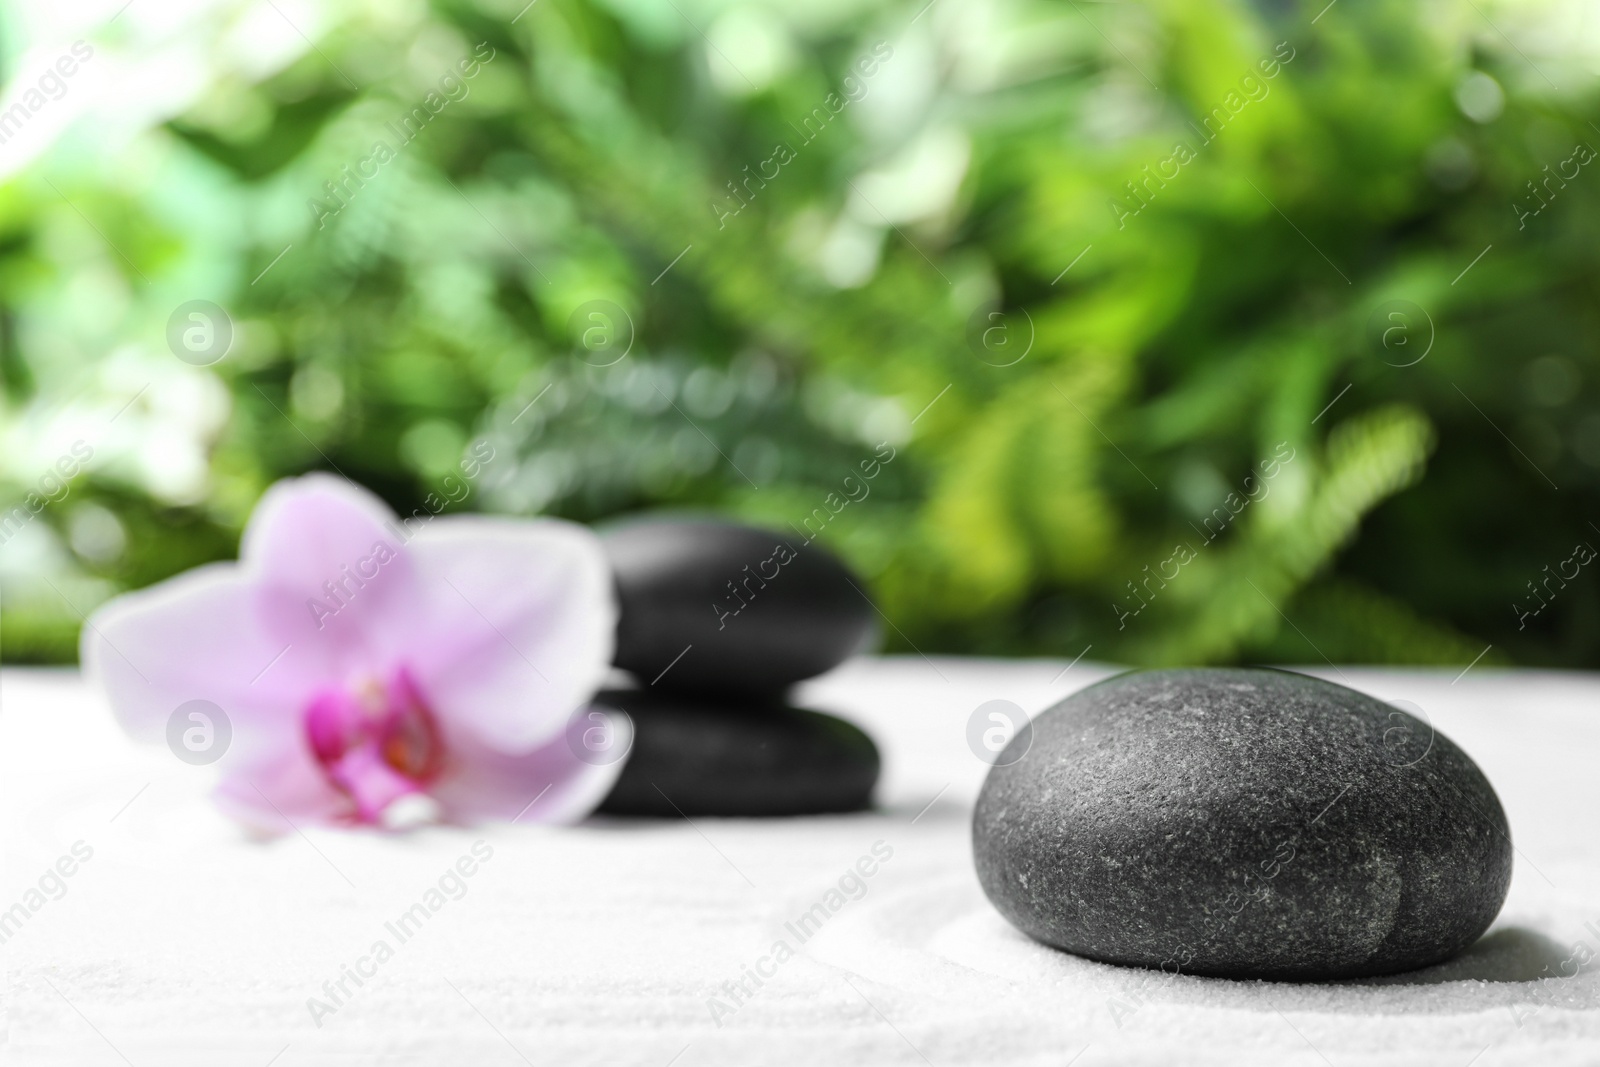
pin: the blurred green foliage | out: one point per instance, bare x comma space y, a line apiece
822, 223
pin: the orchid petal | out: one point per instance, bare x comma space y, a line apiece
551, 784
519, 629
194, 637
279, 791
332, 573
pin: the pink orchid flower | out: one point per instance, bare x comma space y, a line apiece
360, 661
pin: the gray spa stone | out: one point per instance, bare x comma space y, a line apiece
1243, 824
717, 607
742, 757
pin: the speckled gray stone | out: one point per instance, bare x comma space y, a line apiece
1244, 824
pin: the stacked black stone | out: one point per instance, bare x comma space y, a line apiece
718, 621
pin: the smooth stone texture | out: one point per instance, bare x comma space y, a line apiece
1243, 824
697, 757
757, 611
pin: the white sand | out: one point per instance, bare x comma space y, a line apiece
181, 942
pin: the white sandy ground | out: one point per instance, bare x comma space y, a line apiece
181, 942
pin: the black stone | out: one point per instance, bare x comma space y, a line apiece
1243, 824
697, 757
757, 611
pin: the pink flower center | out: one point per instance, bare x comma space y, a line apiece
376, 741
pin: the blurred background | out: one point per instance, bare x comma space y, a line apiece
1185, 331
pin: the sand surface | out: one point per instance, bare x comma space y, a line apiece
180, 941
